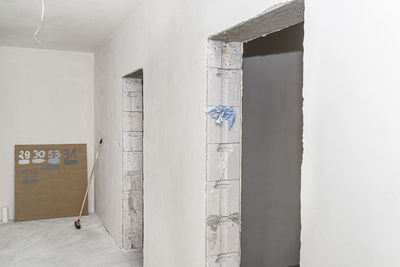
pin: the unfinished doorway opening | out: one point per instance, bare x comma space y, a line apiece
132, 161
224, 246
272, 148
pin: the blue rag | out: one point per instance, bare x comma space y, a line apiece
220, 113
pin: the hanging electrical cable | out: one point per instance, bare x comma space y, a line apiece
35, 35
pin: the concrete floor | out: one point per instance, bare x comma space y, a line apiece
56, 242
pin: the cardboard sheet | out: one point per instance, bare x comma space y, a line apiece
50, 181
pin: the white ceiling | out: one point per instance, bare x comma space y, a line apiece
78, 25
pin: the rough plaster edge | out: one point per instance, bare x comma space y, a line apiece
136, 74
274, 19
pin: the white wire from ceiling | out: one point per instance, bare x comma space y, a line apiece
35, 35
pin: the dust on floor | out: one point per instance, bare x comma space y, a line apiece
56, 243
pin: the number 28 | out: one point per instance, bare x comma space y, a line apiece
24, 154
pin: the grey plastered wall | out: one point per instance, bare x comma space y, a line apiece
272, 149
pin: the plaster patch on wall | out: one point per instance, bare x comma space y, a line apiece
132, 165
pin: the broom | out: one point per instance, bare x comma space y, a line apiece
78, 222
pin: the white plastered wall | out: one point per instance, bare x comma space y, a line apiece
351, 164
168, 39
350, 168
46, 97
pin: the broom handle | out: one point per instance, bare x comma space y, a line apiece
90, 180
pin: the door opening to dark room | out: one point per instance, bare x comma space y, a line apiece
272, 148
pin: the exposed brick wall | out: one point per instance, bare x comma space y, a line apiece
224, 87
132, 168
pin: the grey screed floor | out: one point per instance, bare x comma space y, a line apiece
56, 243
